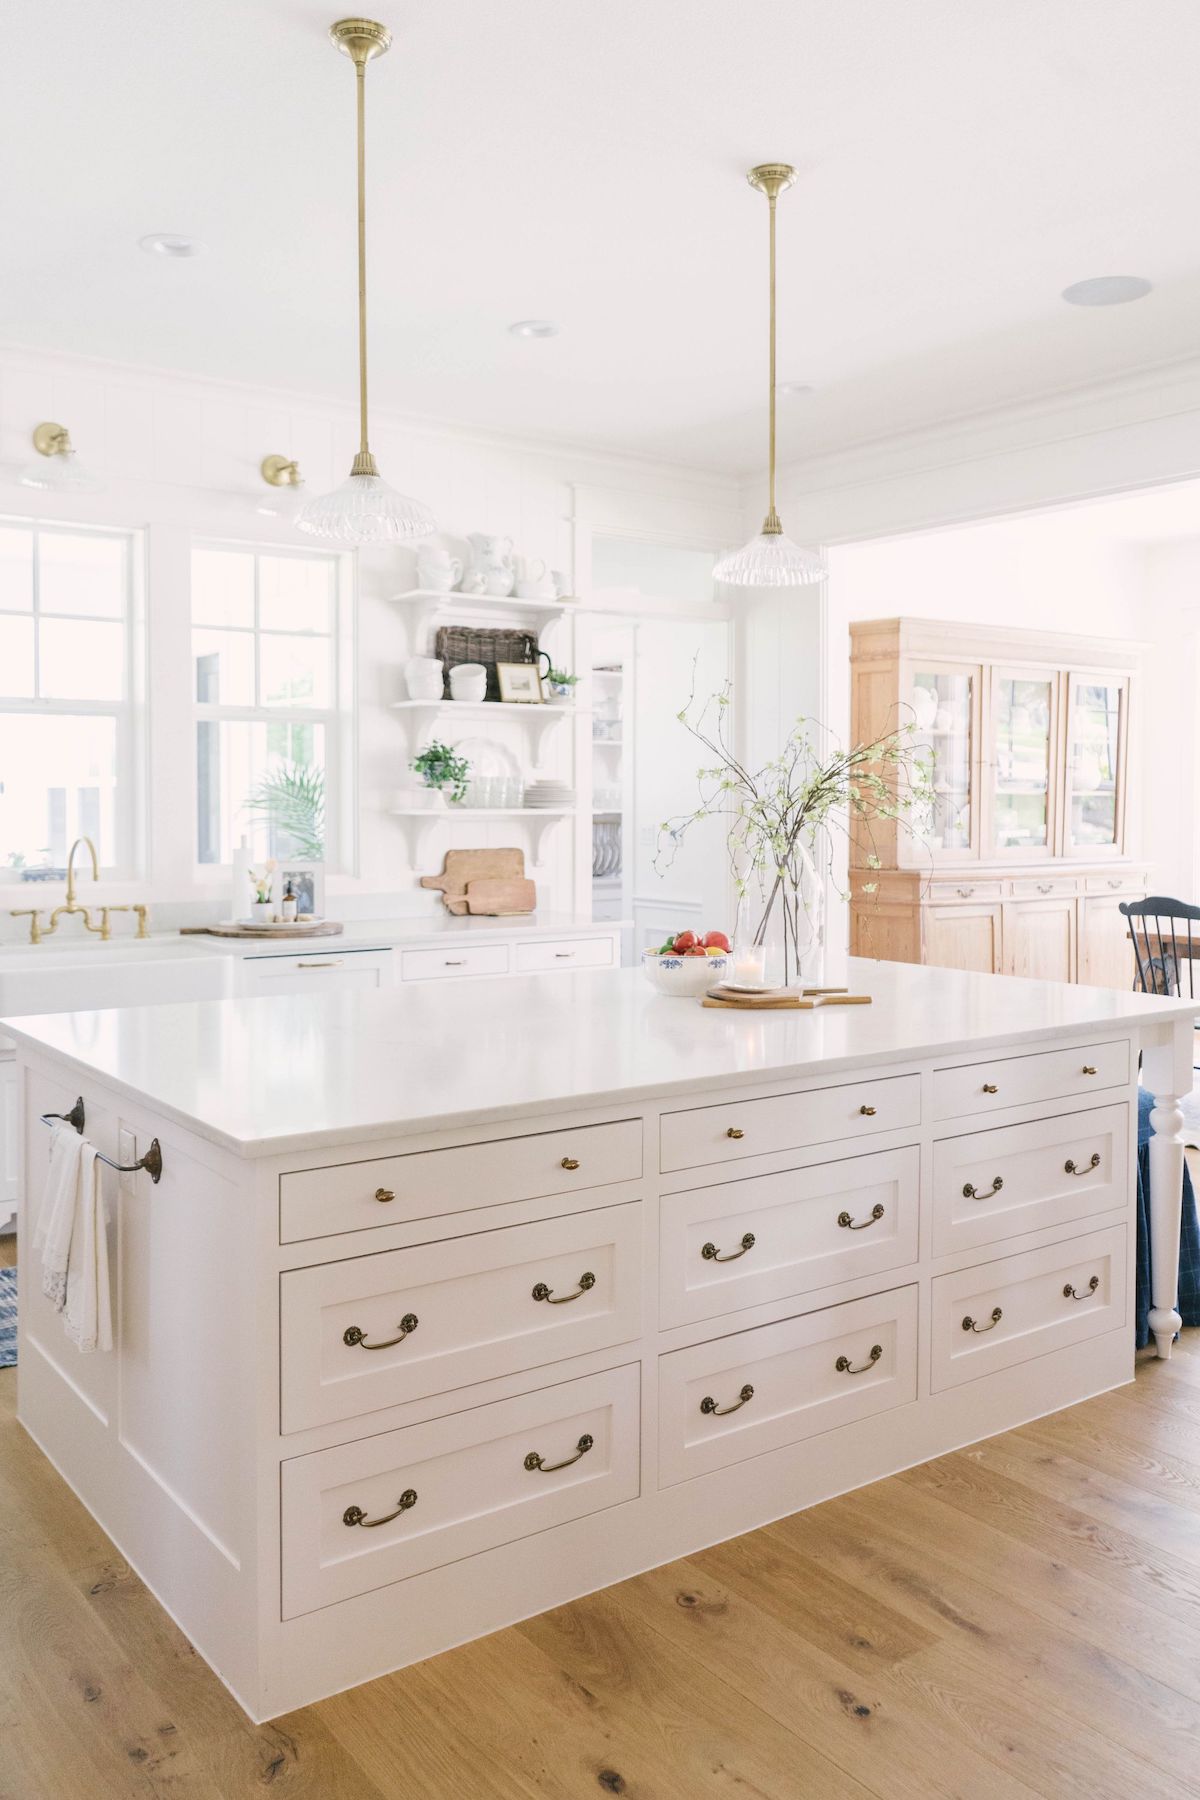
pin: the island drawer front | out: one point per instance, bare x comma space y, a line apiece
1036, 1313
798, 1387
456, 959
473, 1312
1020, 1179
426, 1184
569, 953
810, 1228
472, 1487
1019, 1080
317, 971
736, 1129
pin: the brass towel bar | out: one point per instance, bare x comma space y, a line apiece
151, 1162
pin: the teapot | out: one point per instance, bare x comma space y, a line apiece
492, 557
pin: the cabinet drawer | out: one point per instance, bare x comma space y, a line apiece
1019, 1080
737, 1129
317, 972
1043, 887
377, 1330
570, 953
809, 1228
455, 959
428, 1183
992, 1185
943, 893
468, 1482
1132, 881
1007, 1312
723, 1402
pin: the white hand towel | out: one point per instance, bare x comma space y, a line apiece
73, 1240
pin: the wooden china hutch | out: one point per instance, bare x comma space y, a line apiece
1030, 843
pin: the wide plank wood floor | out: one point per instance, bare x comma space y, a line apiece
1020, 1618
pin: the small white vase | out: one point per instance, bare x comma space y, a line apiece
262, 912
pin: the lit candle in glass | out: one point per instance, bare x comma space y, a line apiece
750, 964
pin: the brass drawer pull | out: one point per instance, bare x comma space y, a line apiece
1071, 1293
735, 1131
710, 1253
453, 962
876, 1214
868, 1112
354, 1335
970, 1325
709, 1405
1089, 1069
533, 1460
334, 962
964, 893
569, 1162
990, 1087
542, 1292
1045, 887
1071, 1167
383, 1195
971, 1192
354, 1515
844, 1366
563, 955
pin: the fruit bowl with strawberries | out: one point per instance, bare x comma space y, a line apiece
688, 964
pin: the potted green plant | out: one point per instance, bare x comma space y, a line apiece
561, 685
441, 767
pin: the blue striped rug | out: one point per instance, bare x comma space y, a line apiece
8, 1318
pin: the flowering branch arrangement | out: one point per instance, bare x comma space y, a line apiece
782, 818
261, 880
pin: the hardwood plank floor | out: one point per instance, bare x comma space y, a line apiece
1019, 1619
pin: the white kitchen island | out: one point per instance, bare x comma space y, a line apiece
455, 1304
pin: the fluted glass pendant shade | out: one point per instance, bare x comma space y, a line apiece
364, 510
771, 560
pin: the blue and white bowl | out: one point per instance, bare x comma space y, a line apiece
686, 977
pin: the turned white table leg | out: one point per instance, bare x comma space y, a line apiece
1167, 1072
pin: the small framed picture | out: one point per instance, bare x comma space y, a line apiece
307, 881
520, 683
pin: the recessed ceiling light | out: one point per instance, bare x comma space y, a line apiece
170, 243
533, 328
1107, 290
791, 390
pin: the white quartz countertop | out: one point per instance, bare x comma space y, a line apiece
271, 1075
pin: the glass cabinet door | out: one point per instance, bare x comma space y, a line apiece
943, 702
1095, 731
1023, 732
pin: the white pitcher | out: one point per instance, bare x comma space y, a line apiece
492, 558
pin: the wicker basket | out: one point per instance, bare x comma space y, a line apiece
468, 643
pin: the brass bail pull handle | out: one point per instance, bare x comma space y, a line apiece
709, 1405
844, 1366
971, 1192
969, 1324
354, 1335
542, 1292
847, 1223
534, 1461
710, 1253
354, 1515
1071, 1167
1074, 1293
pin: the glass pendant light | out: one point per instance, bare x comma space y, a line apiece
364, 510
771, 559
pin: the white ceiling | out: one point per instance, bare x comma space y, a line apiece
960, 163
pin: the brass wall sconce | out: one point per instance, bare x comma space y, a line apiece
60, 470
282, 475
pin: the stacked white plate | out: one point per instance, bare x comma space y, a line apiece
549, 795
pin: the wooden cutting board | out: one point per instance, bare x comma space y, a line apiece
461, 867
804, 1002
501, 899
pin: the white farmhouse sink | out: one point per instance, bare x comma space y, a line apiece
74, 977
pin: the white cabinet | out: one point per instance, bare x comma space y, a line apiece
317, 971
8, 1142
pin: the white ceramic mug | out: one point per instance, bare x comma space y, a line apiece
423, 678
437, 570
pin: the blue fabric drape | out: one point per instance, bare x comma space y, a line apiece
1189, 1241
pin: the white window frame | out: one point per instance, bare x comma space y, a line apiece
338, 719
129, 822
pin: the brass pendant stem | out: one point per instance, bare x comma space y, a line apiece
360, 84
772, 516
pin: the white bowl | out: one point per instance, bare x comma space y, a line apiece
684, 976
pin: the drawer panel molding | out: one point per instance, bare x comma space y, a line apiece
1027, 1080
366, 1514
375, 1331
1003, 1313
455, 960
730, 1131
761, 1238
569, 953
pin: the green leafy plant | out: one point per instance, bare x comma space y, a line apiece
439, 766
291, 797
558, 678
